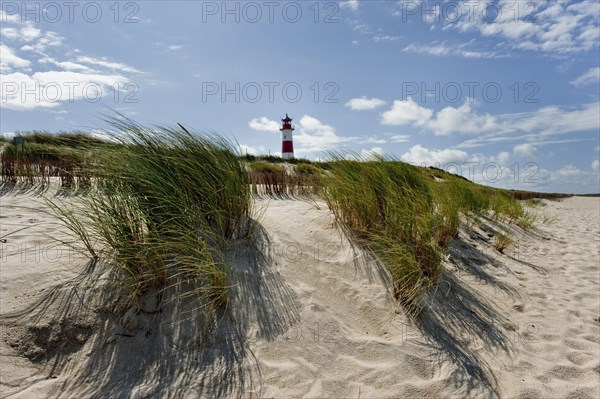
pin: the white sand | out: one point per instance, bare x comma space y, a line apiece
318, 321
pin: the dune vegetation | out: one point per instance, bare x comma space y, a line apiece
160, 205
44, 157
408, 215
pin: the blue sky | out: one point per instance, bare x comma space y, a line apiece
505, 91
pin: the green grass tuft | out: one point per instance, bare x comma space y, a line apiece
389, 208
164, 204
502, 241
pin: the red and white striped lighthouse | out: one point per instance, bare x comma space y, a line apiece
287, 142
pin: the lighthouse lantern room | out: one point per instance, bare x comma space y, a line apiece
287, 143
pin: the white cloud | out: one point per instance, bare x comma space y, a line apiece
351, 4
551, 27
10, 61
595, 164
308, 123
443, 49
246, 149
553, 119
385, 38
461, 120
420, 155
406, 112
67, 65
535, 126
371, 153
49, 39
37, 40
424, 49
400, 138
590, 77
525, 150
374, 140
264, 124
447, 121
567, 179
363, 103
48, 89
377, 35
9, 33
494, 171
569, 170
568, 175
502, 157
315, 136
74, 80
175, 47
431, 17
116, 66
29, 33
4, 17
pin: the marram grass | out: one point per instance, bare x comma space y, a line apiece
163, 205
407, 217
389, 207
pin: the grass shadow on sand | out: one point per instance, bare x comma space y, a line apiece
170, 350
460, 325
469, 260
57, 325
9, 188
287, 195
367, 266
464, 326
40, 190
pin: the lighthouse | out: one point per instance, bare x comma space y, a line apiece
287, 143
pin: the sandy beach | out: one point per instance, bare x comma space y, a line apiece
315, 318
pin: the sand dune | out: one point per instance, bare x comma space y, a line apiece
313, 317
